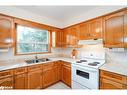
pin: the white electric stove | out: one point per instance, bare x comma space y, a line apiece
85, 71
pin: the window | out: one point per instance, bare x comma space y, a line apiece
31, 40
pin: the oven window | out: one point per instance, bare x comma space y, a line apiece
82, 74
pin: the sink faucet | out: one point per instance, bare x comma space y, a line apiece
36, 57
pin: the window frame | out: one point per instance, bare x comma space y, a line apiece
32, 25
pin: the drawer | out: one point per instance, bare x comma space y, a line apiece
20, 70
34, 67
109, 84
113, 76
48, 65
66, 64
6, 73
57, 63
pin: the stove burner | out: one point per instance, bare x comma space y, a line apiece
96, 62
83, 60
92, 64
78, 62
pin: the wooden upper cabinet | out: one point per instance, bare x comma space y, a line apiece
84, 31
114, 30
71, 35
57, 38
6, 28
95, 29
125, 29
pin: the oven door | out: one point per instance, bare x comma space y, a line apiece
86, 76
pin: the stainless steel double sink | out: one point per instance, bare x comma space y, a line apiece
31, 61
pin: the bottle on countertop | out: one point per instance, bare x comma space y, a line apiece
74, 53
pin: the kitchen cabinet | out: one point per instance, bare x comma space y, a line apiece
6, 83
57, 38
35, 77
114, 30
84, 31
20, 78
48, 74
6, 79
72, 36
57, 71
95, 28
125, 29
6, 29
109, 84
109, 80
20, 81
91, 29
66, 73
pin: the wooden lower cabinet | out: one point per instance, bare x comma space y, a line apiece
48, 77
20, 81
36, 76
109, 80
66, 74
35, 79
56, 71
109, 84
6, 83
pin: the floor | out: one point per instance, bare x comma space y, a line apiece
59, 85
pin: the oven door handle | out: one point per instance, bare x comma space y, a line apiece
85, 68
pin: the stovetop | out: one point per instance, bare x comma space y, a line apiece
93, 63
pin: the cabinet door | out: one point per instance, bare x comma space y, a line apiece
35, 79
59, 38
6, 83
95, 27
125, 30
84, 31
6, 27
66, 75
56, 73
48, 77
72, 36
114, 30
108, 84
20, 81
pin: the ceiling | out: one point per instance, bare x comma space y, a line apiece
60, 13
58, 16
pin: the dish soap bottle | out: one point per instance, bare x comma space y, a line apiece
74, 53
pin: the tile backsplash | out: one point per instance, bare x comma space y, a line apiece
111, 56
10, 55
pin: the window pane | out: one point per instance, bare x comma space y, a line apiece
41, 48
31, 40
25, 48
28, 34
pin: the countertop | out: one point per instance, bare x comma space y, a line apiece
5, 65
119, 68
